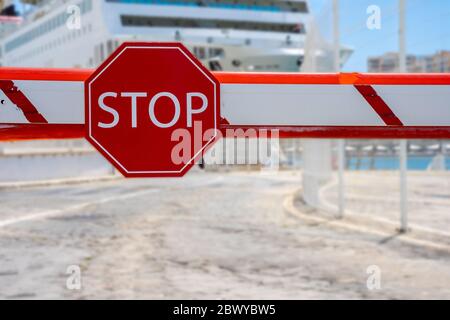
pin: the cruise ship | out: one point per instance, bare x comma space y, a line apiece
244, 35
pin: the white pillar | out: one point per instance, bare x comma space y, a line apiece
341, 170
317, 169
403, 185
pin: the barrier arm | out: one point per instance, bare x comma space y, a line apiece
49, 104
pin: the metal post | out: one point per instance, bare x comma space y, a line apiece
402, 36
403, 143
336, 36
341, 142
294, 153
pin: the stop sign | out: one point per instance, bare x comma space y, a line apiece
152, 109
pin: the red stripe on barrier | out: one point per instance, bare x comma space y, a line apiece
351, 132
16, 132
378, 104
51, 74
332, 78
276, 78
13, 132
21, 101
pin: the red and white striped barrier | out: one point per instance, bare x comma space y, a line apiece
38, 103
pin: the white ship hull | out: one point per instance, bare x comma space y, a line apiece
51, 41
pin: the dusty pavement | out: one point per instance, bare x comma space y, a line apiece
207, 236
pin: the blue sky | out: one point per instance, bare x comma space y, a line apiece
428, 27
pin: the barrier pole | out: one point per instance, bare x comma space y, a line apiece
341, 142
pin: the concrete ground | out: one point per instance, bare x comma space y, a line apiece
376, 195
206, 236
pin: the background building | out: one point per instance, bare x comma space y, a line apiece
436, 63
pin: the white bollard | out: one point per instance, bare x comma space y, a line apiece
403, 186
341, 171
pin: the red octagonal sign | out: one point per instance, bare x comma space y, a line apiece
152, 109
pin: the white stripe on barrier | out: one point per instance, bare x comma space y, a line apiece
418, 105
9, 113
294, 105
58, 101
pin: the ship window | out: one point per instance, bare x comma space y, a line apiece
215, 66
216, 53
260, 5
97, 54
201, 53
139, 21
109, 46
102, 52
